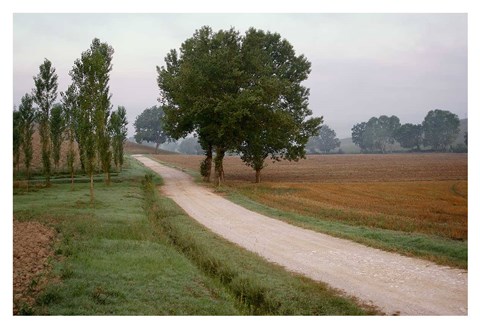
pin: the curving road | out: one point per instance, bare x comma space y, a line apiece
394, 283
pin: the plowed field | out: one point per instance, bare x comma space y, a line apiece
407, 192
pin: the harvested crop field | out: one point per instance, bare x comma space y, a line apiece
342, 168
424, 193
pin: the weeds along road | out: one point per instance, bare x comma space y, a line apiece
396, 284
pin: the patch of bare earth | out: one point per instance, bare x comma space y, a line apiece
32, 247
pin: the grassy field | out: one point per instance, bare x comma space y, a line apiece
108, 259
415, 204
135, 252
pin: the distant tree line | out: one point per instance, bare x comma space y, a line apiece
438, 131
83, 118
324, 142
239, 94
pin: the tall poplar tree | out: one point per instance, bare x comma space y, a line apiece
70, 106
57, 128
17, 140
118, 130
90, 74
44, 95
27, 124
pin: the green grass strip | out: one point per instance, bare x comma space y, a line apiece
261, 288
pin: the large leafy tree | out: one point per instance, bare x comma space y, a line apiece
198, 90
229, 90
90, 74
410, 136
376, 134
44, 95
324, 142
441, 128
57, 128
272, 101
149, 126
118, 129
27, 125
359, 136
381, 131
70, 106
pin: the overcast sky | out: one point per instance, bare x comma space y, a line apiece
363, 65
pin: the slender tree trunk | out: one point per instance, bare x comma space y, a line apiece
28, 176
92, 197
219, 173
208, 164
72, 186
257, 175
156, 147
71, 161
17, 164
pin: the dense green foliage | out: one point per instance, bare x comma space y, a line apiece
238, 93
376, 134
410, 136
118, 129
439, 130
90, 75
441, 127
27, 123
324, 142
44, 96
16, 139
70, 107
57, 128
149, 126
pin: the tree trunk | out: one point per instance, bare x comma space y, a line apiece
72, 175
92, 197
28, 176
208, 164
156, 147
257, 175
219, 173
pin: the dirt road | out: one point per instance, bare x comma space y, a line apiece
395, 283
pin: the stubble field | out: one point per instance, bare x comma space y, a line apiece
421, 193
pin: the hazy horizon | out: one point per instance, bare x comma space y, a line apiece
363, 65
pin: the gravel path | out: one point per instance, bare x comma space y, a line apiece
396, 284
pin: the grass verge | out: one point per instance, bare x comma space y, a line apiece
440, 250
108, 259
260, 288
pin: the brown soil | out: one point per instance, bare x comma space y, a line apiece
342, 168
32, 247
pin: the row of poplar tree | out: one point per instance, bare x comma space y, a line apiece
83, 118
